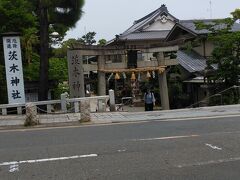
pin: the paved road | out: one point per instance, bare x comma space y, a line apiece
195, 149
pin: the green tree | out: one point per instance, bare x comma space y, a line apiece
59, 16
88, 38
34, 19
102, 42
15, 16
226, 53
61, 52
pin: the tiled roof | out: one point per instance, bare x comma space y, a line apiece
135, 32
138, 24
145, 35
190, 24
192, 61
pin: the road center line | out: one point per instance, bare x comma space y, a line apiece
166, 138
47, 160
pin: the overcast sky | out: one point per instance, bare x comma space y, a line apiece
110, 17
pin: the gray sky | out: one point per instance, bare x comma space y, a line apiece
110, 17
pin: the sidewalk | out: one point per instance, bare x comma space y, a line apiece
167, 114
134, 116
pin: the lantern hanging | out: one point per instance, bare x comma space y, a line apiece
133, 77
153, 74
139, 76
148, 75
117, 77
124, 75
161, 70
110, 77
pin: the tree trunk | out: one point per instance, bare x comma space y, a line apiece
44, 43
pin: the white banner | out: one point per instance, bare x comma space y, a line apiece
14, 72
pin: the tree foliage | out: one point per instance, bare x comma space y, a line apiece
54, 15
61, 52
16, 16
226, 53
102, 42
36, 20
88, 38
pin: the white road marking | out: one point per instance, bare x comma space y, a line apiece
165, 138
13, 168
46, 160
210, 162
122, 150
213, 147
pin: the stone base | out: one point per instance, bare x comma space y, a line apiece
31, 115
85, 111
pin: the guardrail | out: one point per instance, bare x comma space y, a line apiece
219, 94
66, 104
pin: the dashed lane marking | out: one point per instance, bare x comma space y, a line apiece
165, 138
14, 163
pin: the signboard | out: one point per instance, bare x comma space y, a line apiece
75, 74
14, 72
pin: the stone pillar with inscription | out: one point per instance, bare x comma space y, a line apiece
75, 74
101, 76
162, 77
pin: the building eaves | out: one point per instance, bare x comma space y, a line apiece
150, 35
145, 17
136, 26
178, 25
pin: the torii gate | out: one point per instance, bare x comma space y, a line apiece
76, 68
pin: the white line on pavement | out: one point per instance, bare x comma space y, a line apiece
165, 138
13, 168
213, 147
46, 160
210, 162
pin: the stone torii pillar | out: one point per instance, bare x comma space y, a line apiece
163, 83
101, 76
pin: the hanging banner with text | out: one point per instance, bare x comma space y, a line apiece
14, 72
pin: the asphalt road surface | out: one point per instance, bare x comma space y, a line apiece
193, 149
